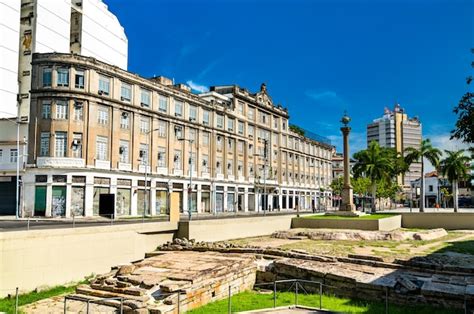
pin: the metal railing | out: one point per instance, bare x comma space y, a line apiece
96, 301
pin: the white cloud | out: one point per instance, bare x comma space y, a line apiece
443, 142
197, 87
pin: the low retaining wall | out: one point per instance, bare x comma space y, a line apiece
384, 224
233, 228
450, 221
37, 258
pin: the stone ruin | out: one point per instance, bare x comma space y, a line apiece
201, 272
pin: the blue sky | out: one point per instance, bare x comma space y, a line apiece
318, 58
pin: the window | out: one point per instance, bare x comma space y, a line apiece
177, 159
275, 122
219, 143
79, 79
44, 144
240, 108
124, 149
205, 163
124, 120
178, 132
250, 169
251, 131
13, 155
162, 157
178, 109
60, 144
46, 109
430, 188
251, 113
145, 97
144, 125
163, 106
230, 124
162, 126
230, 144
219, 165
77, 145
240, 147
205, 117
192, 113
240, 168
78, 111
1, 155
263, 118
251, 150
104, 85
230, 167
275, 139
192, 134
205, 138
61, 109
220, 121
144, 154
125, 92
103, 115
241, 127
283, 124
47, 77
63, 77
101, 148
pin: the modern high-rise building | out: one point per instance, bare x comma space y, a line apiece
84, 27
396, 130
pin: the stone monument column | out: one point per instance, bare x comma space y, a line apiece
347, 201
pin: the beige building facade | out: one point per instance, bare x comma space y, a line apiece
96, 129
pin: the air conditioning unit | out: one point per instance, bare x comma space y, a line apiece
144, 105
78, 104
142, 153
121, 150
125, 115
204, 162
176, 158
76, 142
218, 164
101, 92
229, 166
124, 99
192, 119
239, 167
160, 156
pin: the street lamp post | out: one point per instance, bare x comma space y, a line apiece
190, 188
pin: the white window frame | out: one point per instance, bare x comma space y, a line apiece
62, 77
102, 148
104, 85
145, 97
103, 115
44, 144
60, 144
125, 92
62, 107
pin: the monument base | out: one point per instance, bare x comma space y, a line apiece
346, 213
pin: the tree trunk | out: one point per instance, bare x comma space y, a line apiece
422, 187
373, 189
455, 195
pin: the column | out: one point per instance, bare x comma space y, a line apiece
185, 198
198, 198
134, 198
68, 196
225, 208
152, 198
88, 197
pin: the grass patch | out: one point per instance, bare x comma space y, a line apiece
365, 217
7, 305
252, 300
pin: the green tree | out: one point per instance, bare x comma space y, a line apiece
297, 129
446, 196
465, 111
361, 185
455, 167
336, 186
375, 163
429, 152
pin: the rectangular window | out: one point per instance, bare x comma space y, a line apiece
145, 97
79, 79
241, 127
178, 132
283, 124
44, 144
144, 154
230, 167
144, 125
251, 131
192, 134
220, 121
192, 113
162, 126
240, 168
77, 145
178, 109
163, 106
250, 169
125, 92
125, 120
240, 147
230, 124
61, 109
104, 85
177, 159
13, 155
263, 118
205, 138
240, 108
46, 109
205, 163
78, 111
60, 144
230, 145
219, 165
162, 157
124, 149
219, 143
205, 117
251, 113
47, 77
103, 116
275, 122
63, 77
101, 148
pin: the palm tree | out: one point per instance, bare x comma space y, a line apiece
455, 167
375, 163
429, 152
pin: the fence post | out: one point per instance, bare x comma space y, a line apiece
296, 292
87, 309
179, 302
386, 300
28, 222
274, 293
16, 301
121, 305
320, 295
65, 307
229, 310
465, 304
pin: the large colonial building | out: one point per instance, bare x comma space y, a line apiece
97, 129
